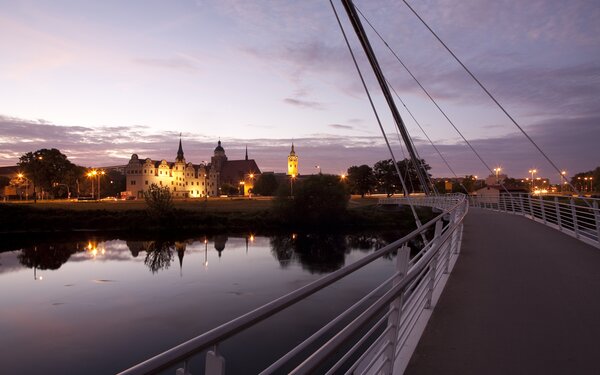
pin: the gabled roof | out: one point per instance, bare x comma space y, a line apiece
9, 171
237, 170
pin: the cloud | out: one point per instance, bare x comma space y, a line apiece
340, 126
176, 63
570, 142
304, 103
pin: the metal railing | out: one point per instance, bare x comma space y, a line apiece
577, 217
381, 334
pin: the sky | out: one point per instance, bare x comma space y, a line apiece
101, 80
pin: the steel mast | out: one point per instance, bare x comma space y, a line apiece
364, 41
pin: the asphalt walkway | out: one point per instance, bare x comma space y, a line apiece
522, 299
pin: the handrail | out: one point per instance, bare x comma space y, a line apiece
581, 221
180, 353
326, 350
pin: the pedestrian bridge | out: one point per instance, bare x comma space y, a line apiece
520, 299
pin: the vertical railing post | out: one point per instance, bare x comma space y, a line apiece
574, 217
402, 261
433, 264
521, 204
185, 370
453, 241
597, 220
542, 209
558, 218
530, 201
215, 364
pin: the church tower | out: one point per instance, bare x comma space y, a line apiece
292, 169
178, 173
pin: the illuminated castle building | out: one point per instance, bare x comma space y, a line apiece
188, 180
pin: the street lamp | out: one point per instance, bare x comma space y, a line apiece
591, 185
21, 176
292, 177
532, 171
497, 170
319, 168
91, 175
96, 174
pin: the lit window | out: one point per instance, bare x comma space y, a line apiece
146, 182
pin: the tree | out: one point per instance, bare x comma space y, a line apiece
386, 176
228, 189
46, 168
113, 183
409, 173
361, 179
159, 201
265, 185
317, 199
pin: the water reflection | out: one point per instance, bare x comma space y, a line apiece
317, 253
314, 252
46, 256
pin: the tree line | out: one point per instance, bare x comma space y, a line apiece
50, 173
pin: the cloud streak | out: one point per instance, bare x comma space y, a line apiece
87, 146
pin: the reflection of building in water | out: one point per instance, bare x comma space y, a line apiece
136, 246
220, 241
180, 247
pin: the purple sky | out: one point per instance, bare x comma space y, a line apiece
103, 80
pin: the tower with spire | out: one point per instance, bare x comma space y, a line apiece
292, 167
180, 152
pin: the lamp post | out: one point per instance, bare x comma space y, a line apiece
91, 176
21, 176
591, 185
497, 170
102, 173
532, 171
563, 175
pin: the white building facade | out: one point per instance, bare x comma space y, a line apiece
187, 180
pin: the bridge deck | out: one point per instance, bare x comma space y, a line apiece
522, 299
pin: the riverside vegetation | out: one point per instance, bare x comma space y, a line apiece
320, 202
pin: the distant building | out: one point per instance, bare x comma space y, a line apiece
492, 193
188, 180
493, 180
292, 169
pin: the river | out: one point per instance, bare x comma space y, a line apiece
97, 304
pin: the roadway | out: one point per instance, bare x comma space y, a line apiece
522, 299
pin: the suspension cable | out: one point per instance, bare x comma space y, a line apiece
490, 95
427, 136
412, 208
430, 98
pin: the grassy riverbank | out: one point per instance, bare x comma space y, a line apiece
212, 214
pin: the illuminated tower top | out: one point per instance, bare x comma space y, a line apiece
292, 169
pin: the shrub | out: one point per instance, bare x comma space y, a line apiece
317, 199
159, 200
